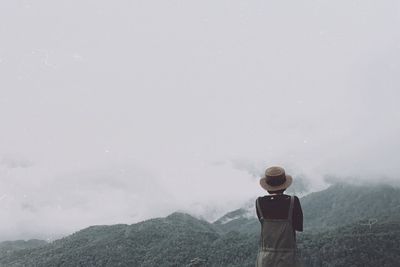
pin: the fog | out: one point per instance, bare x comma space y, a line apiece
120, 111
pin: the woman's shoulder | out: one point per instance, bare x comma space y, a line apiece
277, 196
283, 196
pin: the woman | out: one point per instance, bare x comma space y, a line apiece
280, 216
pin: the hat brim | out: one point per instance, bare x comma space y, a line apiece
285, 185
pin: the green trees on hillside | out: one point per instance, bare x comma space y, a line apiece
164, 244
182, 240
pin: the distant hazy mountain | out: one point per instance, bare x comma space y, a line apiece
343, 204
357, 226
242, 220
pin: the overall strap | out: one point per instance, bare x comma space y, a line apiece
291, 208
259, 209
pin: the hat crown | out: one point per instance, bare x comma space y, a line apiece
274, 171
275, 176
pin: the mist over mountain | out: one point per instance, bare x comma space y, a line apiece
343, 224
107, 105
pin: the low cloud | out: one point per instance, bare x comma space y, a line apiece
136, 110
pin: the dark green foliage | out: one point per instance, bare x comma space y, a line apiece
156, 242
353, 245
234, 249
7, 247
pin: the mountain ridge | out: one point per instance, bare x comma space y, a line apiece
230, 240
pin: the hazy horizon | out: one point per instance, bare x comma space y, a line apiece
118, 112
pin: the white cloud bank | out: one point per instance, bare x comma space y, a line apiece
122, 111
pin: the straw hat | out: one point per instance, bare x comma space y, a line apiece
275, 179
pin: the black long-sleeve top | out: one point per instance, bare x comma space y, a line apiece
277, 207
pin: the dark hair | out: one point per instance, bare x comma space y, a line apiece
277, 191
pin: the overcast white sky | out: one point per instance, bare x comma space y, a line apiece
118, 111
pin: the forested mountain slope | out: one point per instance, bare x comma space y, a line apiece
356, 244
342, 204
368, 234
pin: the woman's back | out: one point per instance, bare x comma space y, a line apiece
277, 207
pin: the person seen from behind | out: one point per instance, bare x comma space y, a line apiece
280, 216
